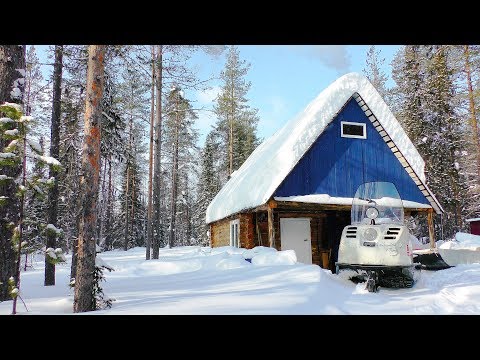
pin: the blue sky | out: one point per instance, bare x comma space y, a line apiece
285, 78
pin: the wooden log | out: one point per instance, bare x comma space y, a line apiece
431, 230
271, 230
272, 203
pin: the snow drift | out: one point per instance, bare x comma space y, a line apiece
464, 249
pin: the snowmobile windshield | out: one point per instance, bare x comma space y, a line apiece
377, 203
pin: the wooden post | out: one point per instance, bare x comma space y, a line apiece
431, 232
259, 234
271, 230
210, 235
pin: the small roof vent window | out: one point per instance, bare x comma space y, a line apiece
353, 130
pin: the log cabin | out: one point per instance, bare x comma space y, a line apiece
295, 190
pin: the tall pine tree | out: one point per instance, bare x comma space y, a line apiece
426, 90
444, 140
374, 72
84, 299
208, 185
180, 145
237, 121
54, 151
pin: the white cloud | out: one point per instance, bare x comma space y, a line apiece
214, 50
332, 56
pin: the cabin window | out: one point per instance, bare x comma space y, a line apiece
354, 130
234, 233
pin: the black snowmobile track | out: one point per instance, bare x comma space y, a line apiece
394, 279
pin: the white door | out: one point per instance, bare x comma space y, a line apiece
295, 235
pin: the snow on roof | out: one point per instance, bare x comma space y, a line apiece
331, 200
470, 220
261, 174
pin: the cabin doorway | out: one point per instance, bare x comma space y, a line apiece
295, 235
333, 224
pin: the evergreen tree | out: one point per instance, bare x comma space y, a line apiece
374, 72
208, 186
17, 151
131, 100
54, 151
37, 103
12, 57
132, 216
409, 77
180, 145
237, 122
158, 218
444, 140
35, 211
138, 200
115, 147
426, 90
71, 136
148, 245
466, 64
35, 89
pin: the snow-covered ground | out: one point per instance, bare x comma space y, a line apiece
464, 249
194, 280
463, 241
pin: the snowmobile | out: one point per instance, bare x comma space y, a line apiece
376, 248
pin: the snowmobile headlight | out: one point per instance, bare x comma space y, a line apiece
371, 213
370, 234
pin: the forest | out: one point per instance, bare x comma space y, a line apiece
105, 154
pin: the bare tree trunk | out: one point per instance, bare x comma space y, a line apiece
73, 268
473, 116
27, 108
188, 223
76, 199
54, 151
108, 241
12, 57
173, 203
127, 186
148, 245
103, 205
84, 299
157, 178
132, 216
230, 143
125, 240
125, 232
230, 149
